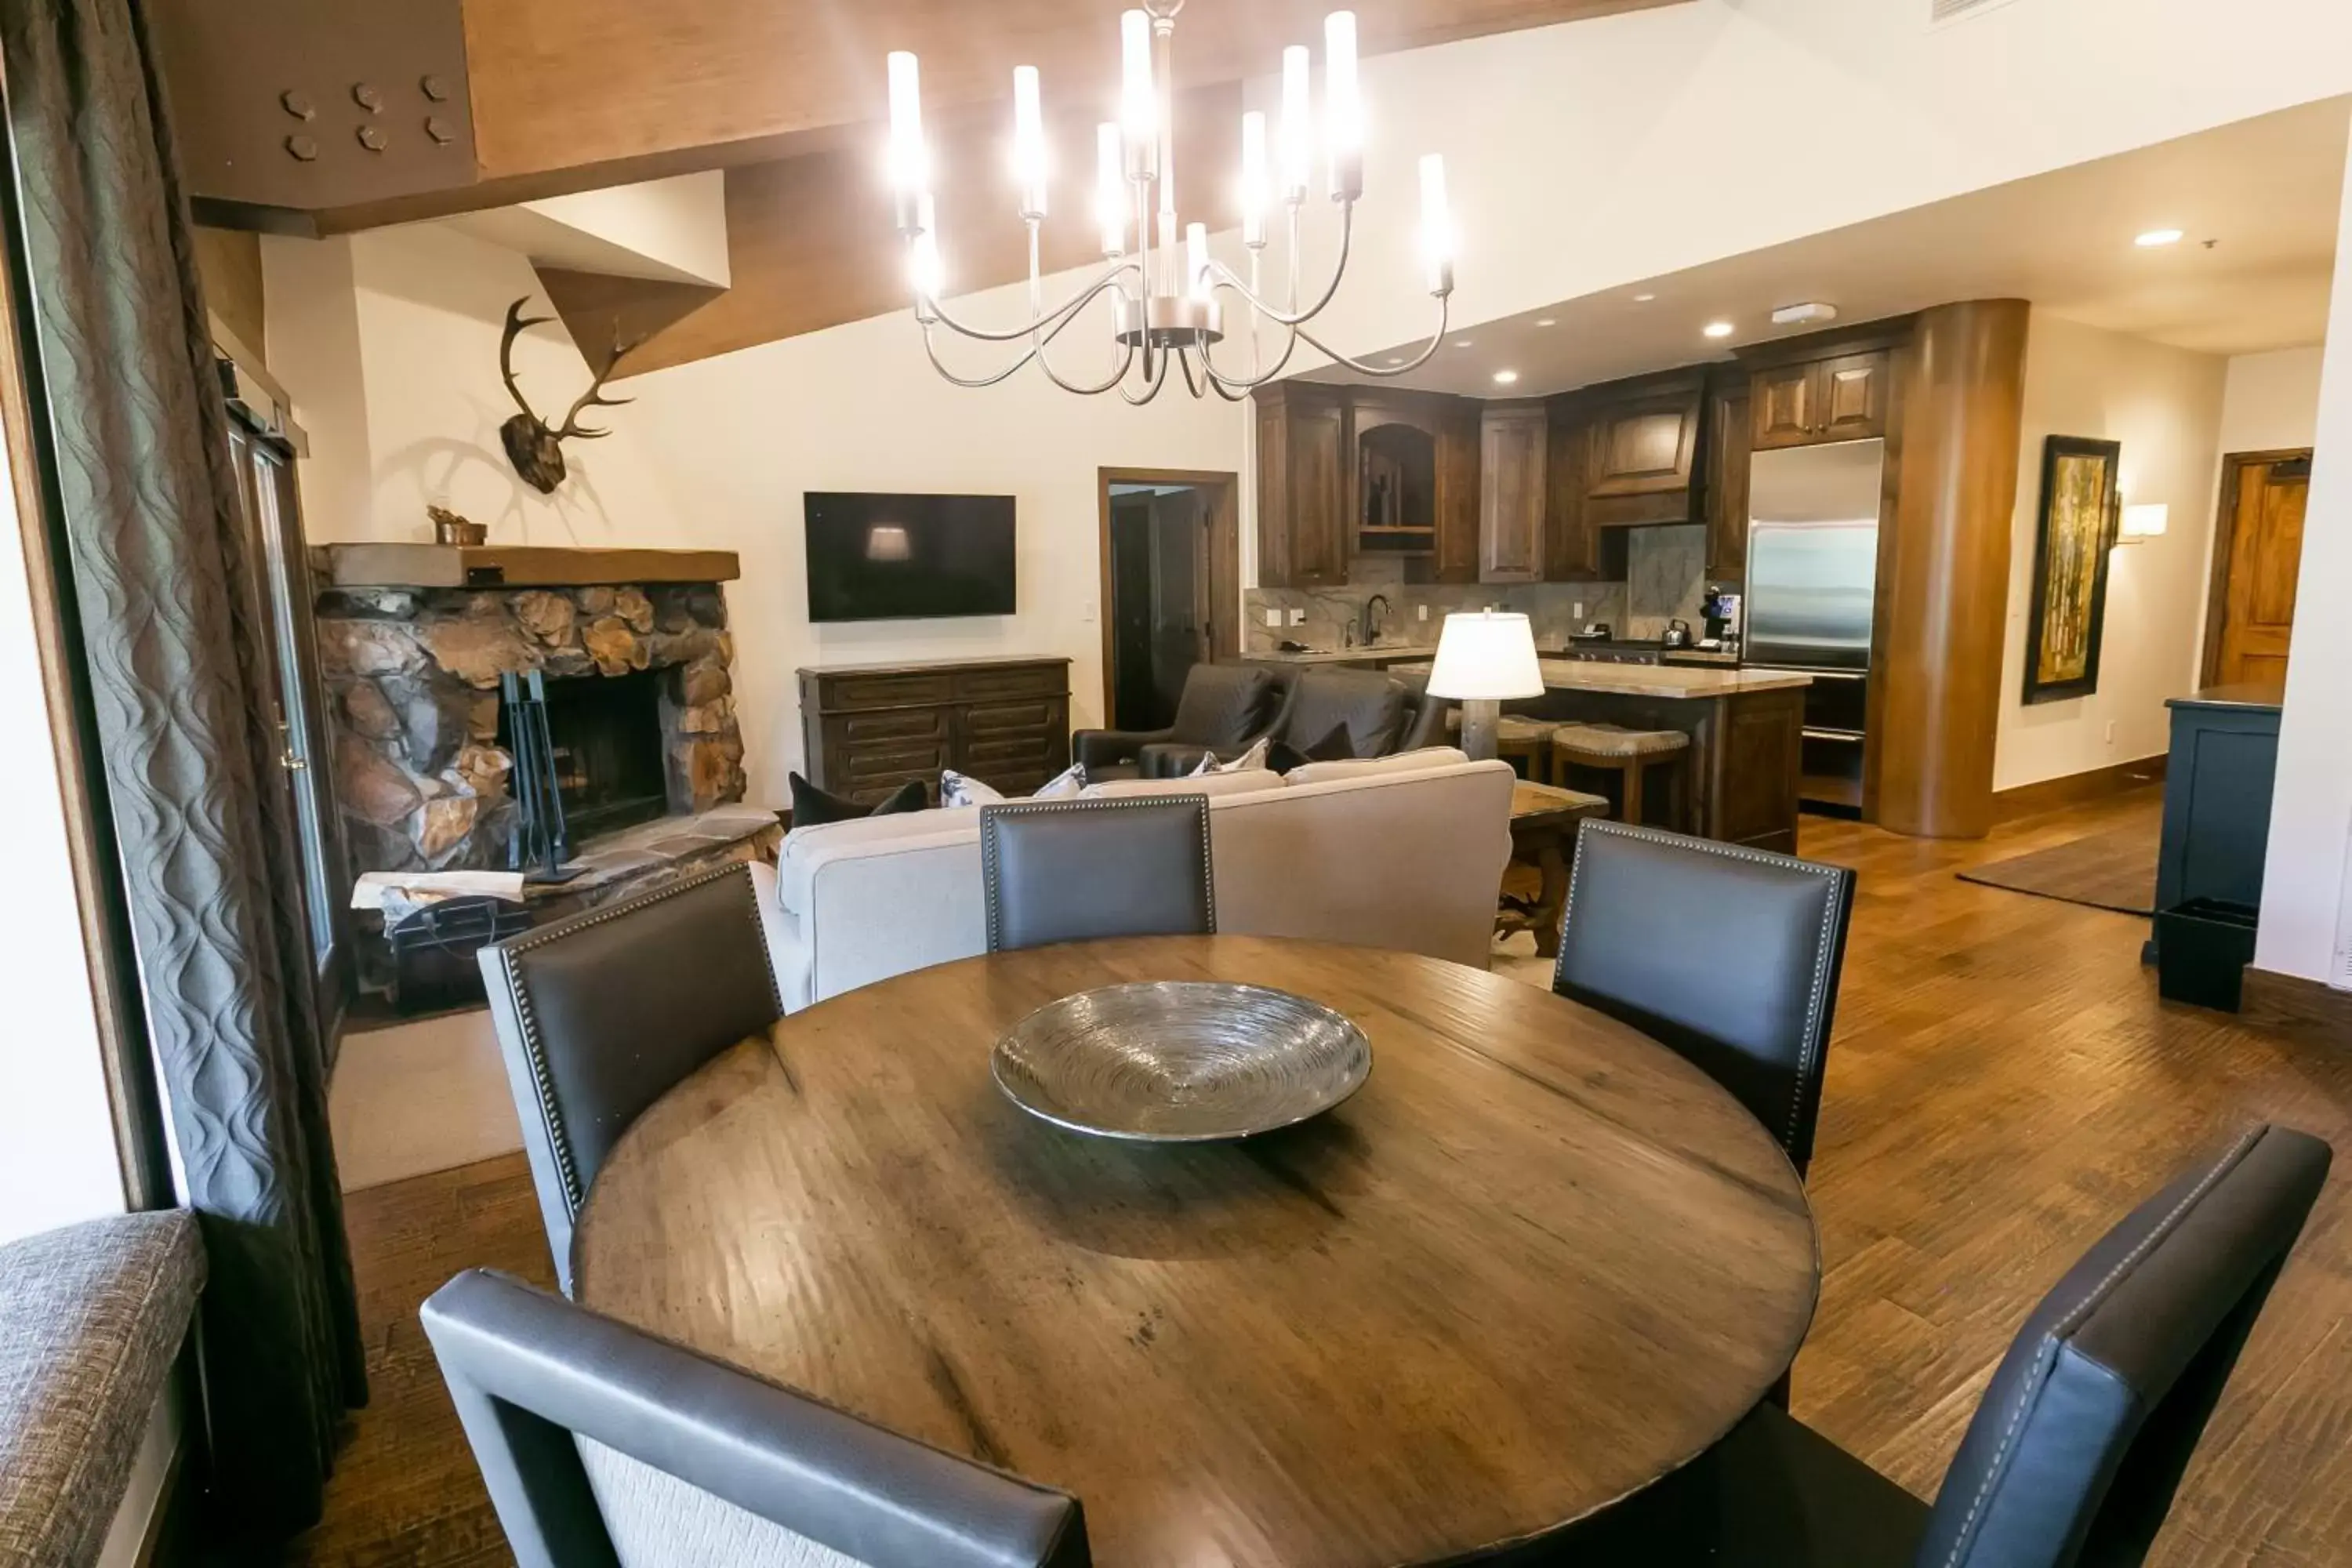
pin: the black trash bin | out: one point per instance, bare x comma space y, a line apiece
2202, 948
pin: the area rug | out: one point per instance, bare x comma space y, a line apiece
2113, 869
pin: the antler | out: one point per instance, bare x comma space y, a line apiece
516, 322
594, 396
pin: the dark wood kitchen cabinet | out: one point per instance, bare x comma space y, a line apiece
1571, 545
1645, 439
867, 729
1841, 398
1458, 501
1513, 443
1304, 459
1725, 470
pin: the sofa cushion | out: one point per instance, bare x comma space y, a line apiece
91, 1317
1242, 781
1369, 704
792, 860
1222, 704
814, 807
1373, 767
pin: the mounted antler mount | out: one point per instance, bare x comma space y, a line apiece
535, 450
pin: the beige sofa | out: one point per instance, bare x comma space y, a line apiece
1401, 852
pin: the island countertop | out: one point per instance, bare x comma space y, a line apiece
1666, 681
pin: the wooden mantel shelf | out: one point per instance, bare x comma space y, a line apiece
517, 566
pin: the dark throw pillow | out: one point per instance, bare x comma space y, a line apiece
812, 808
1335, 747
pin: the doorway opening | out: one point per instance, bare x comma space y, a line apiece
2257, 552
1170, 586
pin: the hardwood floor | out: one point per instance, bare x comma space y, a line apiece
2003, 1084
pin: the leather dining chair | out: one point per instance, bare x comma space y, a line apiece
600, 1015
602, 1446
2079, 1442
1073, 871
1729, 955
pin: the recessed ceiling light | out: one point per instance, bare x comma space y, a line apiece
1395, 359
1644, 299
1461, 343
2157, 237
1717, 328
1505, 377
1546, 321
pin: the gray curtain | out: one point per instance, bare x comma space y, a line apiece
173, 639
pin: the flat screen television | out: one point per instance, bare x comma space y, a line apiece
886, 557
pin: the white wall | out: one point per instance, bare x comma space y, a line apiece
388, 343
2164, 405
1590, 154
58, 1158
2269, 402
2305, 911
858, 407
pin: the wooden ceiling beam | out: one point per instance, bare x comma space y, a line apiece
566, 84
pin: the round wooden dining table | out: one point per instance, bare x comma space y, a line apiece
1536, 1263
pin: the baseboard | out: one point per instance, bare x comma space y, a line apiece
2074, 789
2293, 1005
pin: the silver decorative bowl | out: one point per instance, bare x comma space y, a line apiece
1181, 1061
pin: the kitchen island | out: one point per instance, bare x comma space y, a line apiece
1747, 731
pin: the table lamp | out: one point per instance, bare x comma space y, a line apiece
1484, 659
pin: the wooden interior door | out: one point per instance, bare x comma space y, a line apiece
2262, 549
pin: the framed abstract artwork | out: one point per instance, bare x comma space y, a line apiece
2070, 567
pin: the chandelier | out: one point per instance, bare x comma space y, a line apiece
1169, 299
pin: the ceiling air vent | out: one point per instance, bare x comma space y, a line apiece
1940, 12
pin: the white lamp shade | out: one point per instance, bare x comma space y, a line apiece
2144, 521
1487, 656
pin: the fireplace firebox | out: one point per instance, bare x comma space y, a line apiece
606, 736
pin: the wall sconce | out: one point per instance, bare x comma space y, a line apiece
2142, 522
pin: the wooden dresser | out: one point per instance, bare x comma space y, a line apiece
865, 728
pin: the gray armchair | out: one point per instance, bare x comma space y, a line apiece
1224, 709
1381, 714
601, 1446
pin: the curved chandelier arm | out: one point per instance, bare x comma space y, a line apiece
1225, 278
1362, 368
1053, 318
931, 347
1246, 383
1126, 358
1156, 373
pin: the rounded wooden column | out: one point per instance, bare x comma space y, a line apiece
1944, 587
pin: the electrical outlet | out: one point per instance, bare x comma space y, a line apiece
1273, 617
1297, 618
1577, 610
1423, 613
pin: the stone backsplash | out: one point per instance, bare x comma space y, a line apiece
1665, 579
412, 683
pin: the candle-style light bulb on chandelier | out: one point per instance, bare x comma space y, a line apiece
1169, 296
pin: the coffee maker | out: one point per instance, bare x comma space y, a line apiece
1720, 611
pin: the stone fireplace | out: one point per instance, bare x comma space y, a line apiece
413, 640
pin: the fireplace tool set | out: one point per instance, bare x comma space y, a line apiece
541, 842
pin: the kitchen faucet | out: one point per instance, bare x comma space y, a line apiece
1372, 627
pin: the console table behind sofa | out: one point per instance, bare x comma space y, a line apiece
865, 728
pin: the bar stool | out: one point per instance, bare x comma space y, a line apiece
1630, 754
1525, 741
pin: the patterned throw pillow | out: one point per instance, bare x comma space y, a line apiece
1248, 760
962, 789
1064, 786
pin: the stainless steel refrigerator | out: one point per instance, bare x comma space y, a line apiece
1813, 588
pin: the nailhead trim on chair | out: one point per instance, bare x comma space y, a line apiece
1812, 1046
990, 814
534, 1048
2046, 1352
